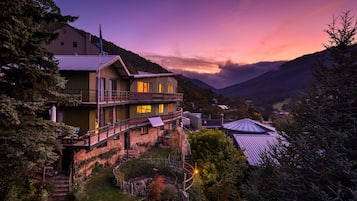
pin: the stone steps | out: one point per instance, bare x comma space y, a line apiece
128, 154
60, 188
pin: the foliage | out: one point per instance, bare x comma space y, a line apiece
170, 193
155, 188
100, 187
29, 77
221, 166
318, 159
109, 153
19, 191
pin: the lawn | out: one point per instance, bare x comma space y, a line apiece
100, 188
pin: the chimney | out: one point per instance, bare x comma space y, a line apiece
87, 43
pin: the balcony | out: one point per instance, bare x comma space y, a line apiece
94, 138
122, 97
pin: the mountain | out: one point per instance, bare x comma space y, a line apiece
202, 84
231, 73
274, 86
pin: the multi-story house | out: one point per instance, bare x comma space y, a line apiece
119, 108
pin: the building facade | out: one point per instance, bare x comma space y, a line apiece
119, 109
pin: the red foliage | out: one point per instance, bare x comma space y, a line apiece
155, 188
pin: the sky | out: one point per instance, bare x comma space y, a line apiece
206, 36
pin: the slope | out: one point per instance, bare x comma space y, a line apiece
291, 78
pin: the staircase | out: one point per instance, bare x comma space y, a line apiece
60, 188
130, 153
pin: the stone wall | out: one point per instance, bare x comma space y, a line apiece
140, 140
85, 161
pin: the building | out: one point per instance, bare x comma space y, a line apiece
119, 108
253, 137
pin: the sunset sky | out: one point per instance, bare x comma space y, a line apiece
205, 35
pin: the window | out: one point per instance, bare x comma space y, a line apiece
144, 130
112, 89
160, 88
161, 108
170, 108
143, 109
170, 89
143, 86
75, 44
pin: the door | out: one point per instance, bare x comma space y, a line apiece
113, 90
126, 141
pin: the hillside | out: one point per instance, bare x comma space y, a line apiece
291, 78
196, 94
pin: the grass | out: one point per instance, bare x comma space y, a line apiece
100, 188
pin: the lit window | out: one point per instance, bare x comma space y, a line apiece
170, 89
161, 108
170, 108
143, 109
160, 88
143, 86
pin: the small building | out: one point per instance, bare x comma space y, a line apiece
253, 137
195, 120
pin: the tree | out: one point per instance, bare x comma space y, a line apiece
29, 78
221, 166
318, 160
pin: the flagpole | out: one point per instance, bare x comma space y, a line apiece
99, 79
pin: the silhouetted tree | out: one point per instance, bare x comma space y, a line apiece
29, 77
318, 160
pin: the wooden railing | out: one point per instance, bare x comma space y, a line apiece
97, 136
91, 96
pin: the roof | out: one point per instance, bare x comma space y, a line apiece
156, 121
142, 74
254, 145
247, 126
212, 123
84, 62
92, 63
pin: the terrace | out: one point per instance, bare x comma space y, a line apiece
96, 137
90, 97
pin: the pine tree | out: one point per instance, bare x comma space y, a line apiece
318, 160
29, 78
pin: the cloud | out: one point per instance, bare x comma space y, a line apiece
178, 64
215, 73
233, 73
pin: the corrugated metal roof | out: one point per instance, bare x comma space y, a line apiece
85, 62
254, 145
246, 126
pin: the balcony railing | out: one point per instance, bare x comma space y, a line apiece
91, 96
95, 137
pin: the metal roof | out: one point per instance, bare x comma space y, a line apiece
255, 144
247, 126
92, 63
85, 62
156, 121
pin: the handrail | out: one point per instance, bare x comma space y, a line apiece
87, 96
95, 136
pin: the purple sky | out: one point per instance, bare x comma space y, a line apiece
204, 35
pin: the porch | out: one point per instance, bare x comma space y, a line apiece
96, 137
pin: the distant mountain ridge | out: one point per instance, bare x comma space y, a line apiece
273, 86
